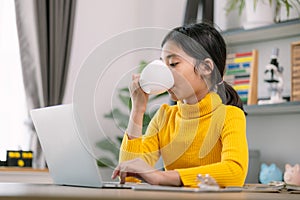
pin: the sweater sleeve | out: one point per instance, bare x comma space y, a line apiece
233, 167
146, 146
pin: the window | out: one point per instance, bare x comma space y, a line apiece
13, 111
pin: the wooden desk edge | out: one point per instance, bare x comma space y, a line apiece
22, 169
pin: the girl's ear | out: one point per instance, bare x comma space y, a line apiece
209, 63
207, 66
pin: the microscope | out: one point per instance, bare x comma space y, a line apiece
274, 77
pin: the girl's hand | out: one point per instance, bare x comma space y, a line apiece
140, 169
137, 168
139, 101
138, 97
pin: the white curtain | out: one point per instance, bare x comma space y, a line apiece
28, 40
45, 29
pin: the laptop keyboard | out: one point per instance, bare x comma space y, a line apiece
112, 184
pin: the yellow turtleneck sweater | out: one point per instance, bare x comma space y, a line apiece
204, 138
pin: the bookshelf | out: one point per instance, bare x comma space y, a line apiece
271, 109
259, 36
262, 34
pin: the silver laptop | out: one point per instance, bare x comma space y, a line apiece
68, 160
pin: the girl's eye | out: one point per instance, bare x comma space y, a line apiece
173, 64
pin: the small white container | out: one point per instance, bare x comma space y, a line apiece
156, 78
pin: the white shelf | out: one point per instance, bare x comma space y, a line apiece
270, 109
272, 32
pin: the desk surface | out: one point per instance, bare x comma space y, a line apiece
38, 185
49, 191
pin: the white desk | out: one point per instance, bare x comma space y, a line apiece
38, 185
24, 175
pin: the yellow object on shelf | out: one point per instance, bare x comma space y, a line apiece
19, 158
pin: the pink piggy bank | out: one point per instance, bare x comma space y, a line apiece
292, 174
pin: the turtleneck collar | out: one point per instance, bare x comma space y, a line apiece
207, 105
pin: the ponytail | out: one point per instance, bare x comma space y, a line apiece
230, 97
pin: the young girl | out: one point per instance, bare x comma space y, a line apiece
204, 133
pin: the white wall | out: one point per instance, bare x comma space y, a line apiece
276, 136
98, 20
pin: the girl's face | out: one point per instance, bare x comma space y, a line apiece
189, 86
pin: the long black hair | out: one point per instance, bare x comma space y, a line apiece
202, 41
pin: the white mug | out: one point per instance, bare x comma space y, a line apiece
156, 78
